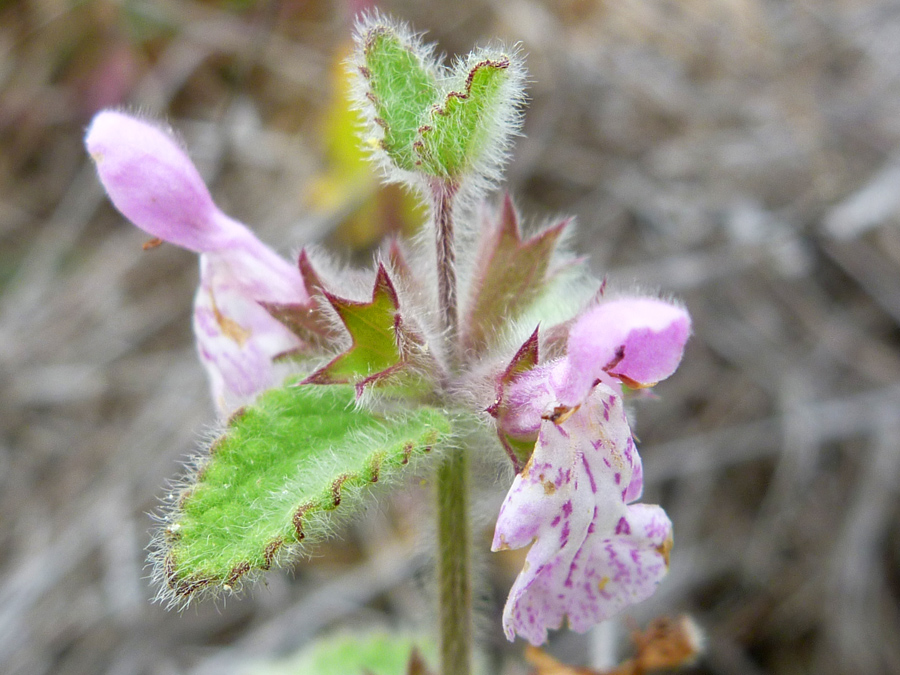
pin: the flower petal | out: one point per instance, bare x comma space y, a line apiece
154, 184
637, 340
528, 398
570, 495
620, 568
237, 338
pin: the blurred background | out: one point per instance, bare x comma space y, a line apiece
741, 154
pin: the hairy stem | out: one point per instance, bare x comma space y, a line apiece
453, 564
454, 582
443, 193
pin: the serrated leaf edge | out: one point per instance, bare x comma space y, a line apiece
177, 592
503, 63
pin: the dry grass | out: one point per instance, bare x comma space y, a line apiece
739, 153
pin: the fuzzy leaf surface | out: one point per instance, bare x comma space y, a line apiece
375, 653
385, 349
273, 479
457, 130
401, 87
510, 273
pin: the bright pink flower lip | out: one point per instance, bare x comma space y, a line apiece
639, 341
636, 340
155, 185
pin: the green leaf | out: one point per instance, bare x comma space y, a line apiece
400, 85
509, 275
385, 351
275, 477
377, 653
465, 125
443, 124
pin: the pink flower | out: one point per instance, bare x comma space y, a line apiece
153, 183
594, 552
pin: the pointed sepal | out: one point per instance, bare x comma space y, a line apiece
308, 320
386, 351
274, 479
399, 263
510, 273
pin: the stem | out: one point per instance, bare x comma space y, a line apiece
454, 582
443, 193
453, 564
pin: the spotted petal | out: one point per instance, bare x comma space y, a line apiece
592, 555
616, 570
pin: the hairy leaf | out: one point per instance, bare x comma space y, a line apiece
274, 477
386, 350
401, 86
375, 653
457, 131
347, 187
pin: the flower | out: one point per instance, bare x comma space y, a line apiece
153, 183
594, 552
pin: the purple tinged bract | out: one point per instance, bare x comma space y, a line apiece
155, 185
594, 552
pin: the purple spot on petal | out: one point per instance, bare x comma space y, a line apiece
622, 527
590, 475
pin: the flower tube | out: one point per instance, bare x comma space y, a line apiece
150, 179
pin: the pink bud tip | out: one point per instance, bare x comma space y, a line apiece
153, 183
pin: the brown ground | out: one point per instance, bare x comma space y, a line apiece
742, 154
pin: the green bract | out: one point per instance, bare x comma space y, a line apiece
457, 132
273, 478
386, 351
436, 122
510, 274
401, 87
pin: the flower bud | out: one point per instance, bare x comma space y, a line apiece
153, 183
